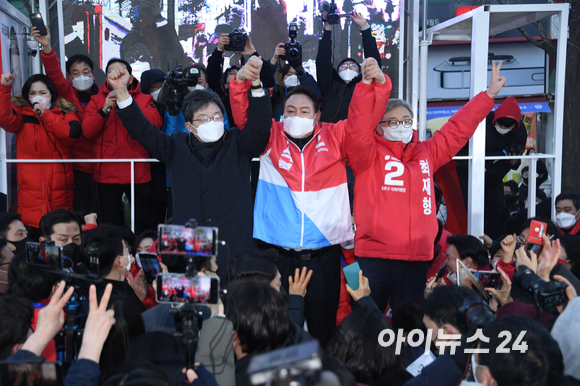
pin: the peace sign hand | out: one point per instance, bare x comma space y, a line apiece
497, 82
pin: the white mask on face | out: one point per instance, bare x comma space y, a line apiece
502, 131
398, 134
348, 75
42, 101
452, 277
82, 82
291, 81
210, 131
155, 94
197, 87
565, 220
128, 267
298, 127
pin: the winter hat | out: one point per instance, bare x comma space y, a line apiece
150, 76
525, 310
509, 109
565, 333
349, 60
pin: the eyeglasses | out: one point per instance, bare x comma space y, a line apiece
394, 123
206, 119
348, 65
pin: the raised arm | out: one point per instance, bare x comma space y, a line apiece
461, 126
239, 89
366, 109
370, 49
324, 58
137, 124
10, 117
214, 66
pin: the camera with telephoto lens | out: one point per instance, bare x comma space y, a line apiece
293, 47
332, 17
545, 295
176, 86
474, 314
237, 41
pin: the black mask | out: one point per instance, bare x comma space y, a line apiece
73, 252
541, 180
508, 198
525, 180
20, 245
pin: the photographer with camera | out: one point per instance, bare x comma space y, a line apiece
505, 134
337, 85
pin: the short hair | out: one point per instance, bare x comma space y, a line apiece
259, 316
569, 196
229, 70
514, 188
409, 316
107, 241
541, 364
335, 365
5, 220
355, 343
396, 102
40, 78
303, 90
30, 281
127, 235
201, 68
57, 216
254, 264
200, 99
551, 230
148, 234
443, 304
79, 59
16, 315
142, 374
118, 60
571, 243
469, 246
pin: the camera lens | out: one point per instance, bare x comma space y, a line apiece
237, 40
293, 54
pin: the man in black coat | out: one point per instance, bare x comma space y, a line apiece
209, 168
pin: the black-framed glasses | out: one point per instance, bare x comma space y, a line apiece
393, 123
206, 119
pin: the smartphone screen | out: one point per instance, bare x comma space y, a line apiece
172, 288
201, 241
44, 255
489, 279
150, 265
25, 374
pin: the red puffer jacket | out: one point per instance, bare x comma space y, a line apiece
111, 140
41, 187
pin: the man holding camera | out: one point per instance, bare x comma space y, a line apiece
209, 168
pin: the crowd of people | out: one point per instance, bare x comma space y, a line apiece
343, 181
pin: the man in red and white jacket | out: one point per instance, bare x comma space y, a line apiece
394, 203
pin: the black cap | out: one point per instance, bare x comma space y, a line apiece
150, 76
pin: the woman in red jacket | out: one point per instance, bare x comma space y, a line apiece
46, 127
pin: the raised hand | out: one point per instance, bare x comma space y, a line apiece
570, 290
523, 259
98, 325
7, 79
223, 41
508, 246
363, 290
327, 26
359, 20
371, 71
548, 257
119, 78
487, 241
497, 82
248, 48
251, 70
278, 51
502, 295
297, 286
139, 284
44, 41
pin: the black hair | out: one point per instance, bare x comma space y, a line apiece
571, 243
3, 244
335, 365
57, 216
5, 220
569, 196
470, 246
108, 243
128, 326
152, 346
539, 194
16, 314
118, 60
284, 69
254, 264
513, 186
201, 68
541, 363
198, 100
127, 235
32, 282
47, 82
355, 343
303, 90
442, 305
551, 229
142, 374
148, 234
409, 316
259, 316
79, 59
229, 70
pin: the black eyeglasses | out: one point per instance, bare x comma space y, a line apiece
394, 123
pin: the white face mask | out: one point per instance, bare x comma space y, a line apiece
565, 220
128, 267
398, 134
474, 367
291, 81
502, 131
348, 75
210, 131
155, 94
298, 127
82, 82
452, 277
197, 87
42, 101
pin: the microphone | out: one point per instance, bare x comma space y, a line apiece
108, 111
37, 110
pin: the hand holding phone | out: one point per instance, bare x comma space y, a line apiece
175, 288
36, 21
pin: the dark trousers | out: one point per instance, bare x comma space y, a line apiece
323, 291
111, 203
495, 210
85, 191
394, 282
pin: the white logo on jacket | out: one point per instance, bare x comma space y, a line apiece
320, 146
283, 164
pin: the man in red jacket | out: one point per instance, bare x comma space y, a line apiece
78, 87
394, 204
111, 140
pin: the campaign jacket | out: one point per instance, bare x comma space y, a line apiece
84, 147
111, 140
47, 186
302, 196
394, 199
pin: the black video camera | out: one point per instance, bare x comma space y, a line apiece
176, 86
237, 41
474, 314
293, 47
332, 17
545, 295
